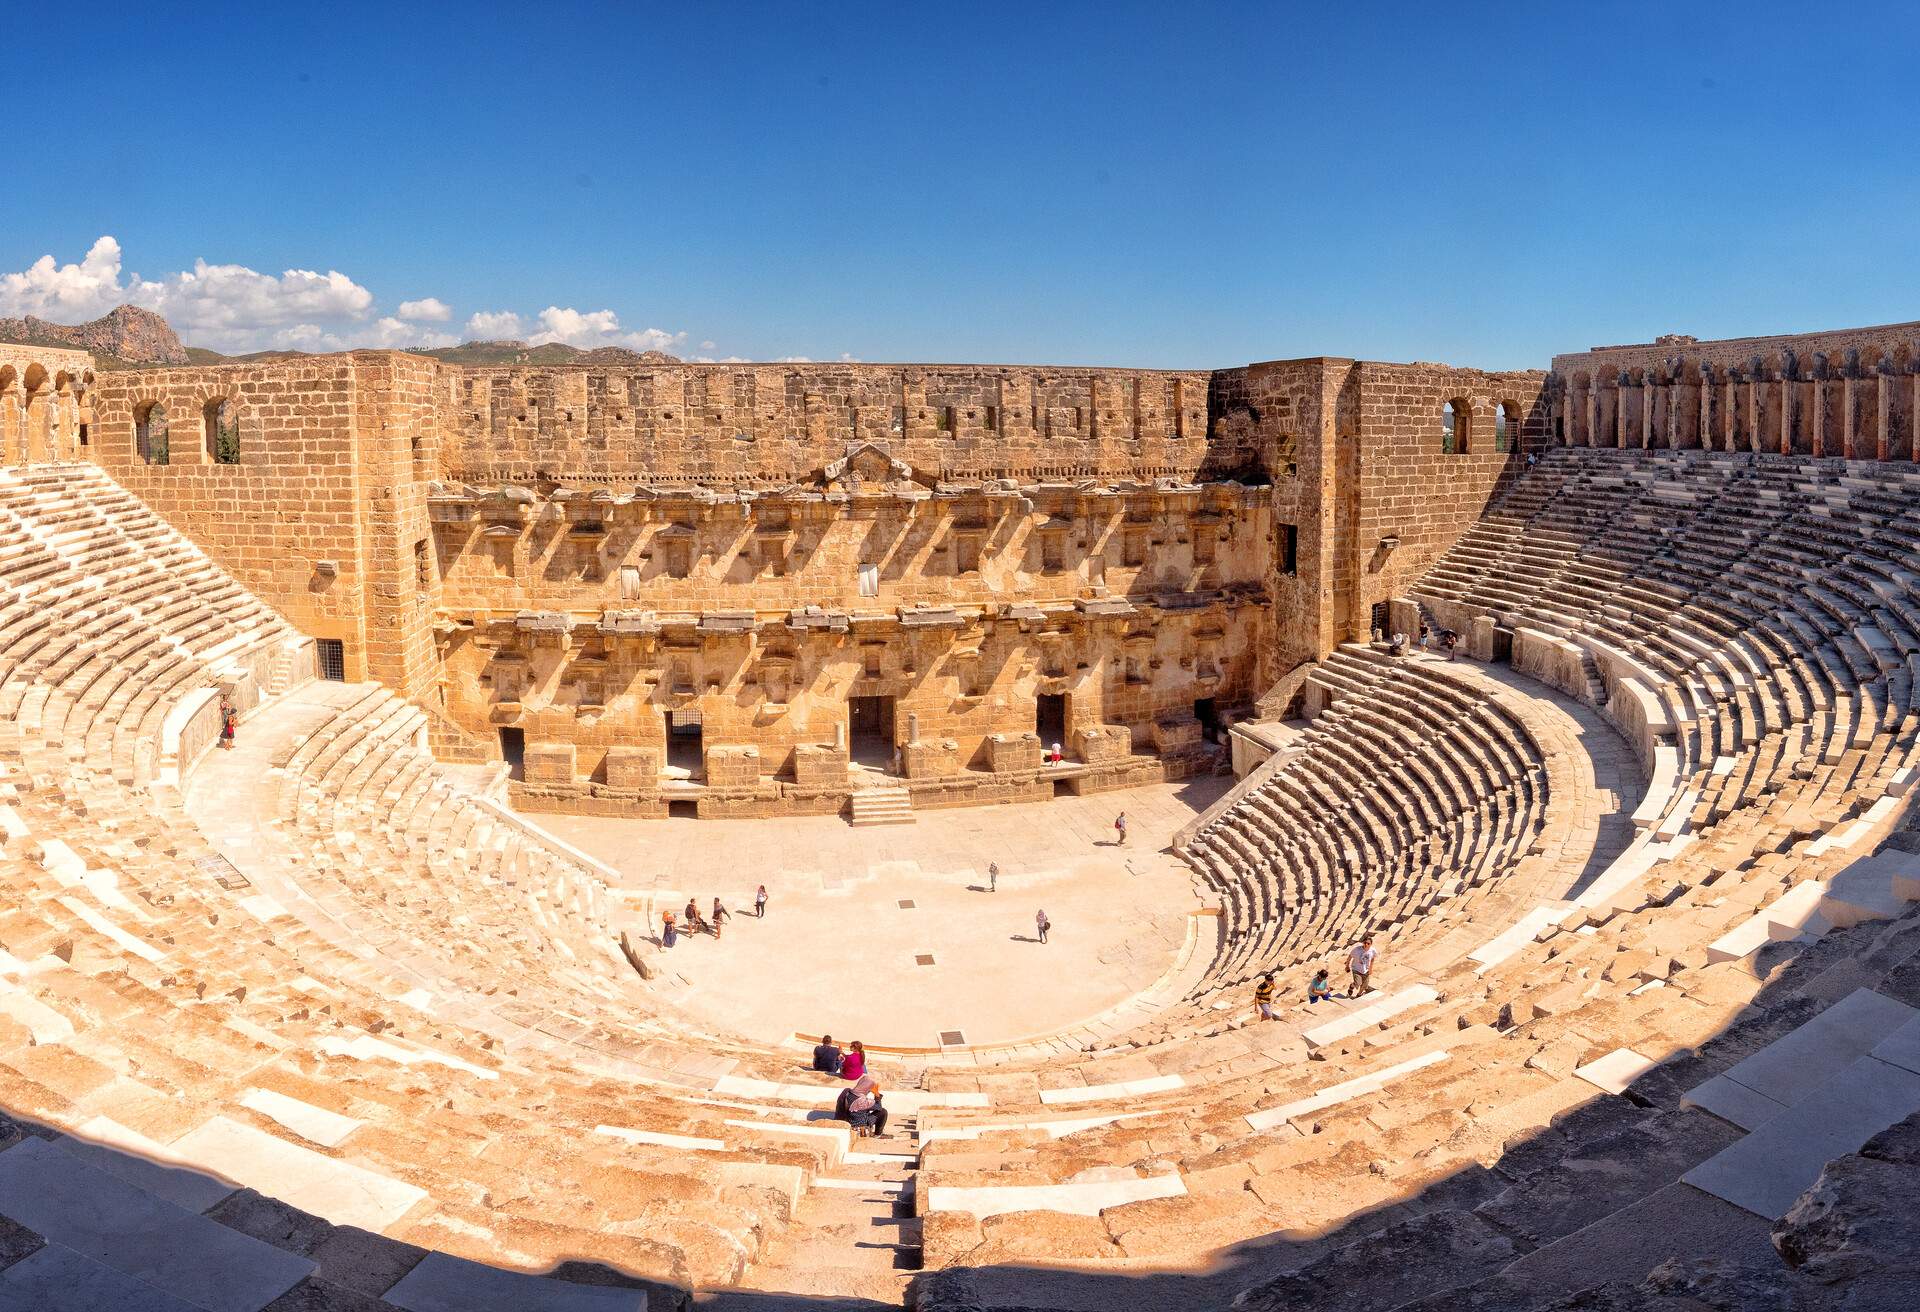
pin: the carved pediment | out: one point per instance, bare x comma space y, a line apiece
866, 467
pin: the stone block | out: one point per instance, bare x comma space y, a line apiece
1009, 753
931, 758
1171, 736
1480, 638
549, 763
1403, 616
632, 767
819, 765
732, 765
1103, 744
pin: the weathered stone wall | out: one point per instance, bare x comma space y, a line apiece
589, 617
579, 554
1356, 449
719, 425
1408, 488
290, 518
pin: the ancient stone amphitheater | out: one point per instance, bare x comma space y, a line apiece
333, 1021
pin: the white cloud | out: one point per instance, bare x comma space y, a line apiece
591, 328
384, 333
492, 325
66, 292
230, 307
432, 308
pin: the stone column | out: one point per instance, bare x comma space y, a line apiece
1846, 417
1817, 415
1883, 413
1646, 414
1784, 442
1591, 404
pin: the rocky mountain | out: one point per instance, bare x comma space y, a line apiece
124, 336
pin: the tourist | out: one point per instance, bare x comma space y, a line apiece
720, 913
1426, 636
854, 1064
1319, 987
667, 930
1120, 827
229, 721
993, 876
1533, 458
695, 925
1360, 965
1055, 757
826, 1056
1041, 923
760, 903
866, 1113
1263, 997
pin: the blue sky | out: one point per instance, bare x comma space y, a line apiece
1148, 185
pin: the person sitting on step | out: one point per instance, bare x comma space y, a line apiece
826, 1055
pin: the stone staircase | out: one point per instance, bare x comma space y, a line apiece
882, 804
855, 1241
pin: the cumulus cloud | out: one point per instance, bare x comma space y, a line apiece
233, 308
225, 306
599, 328
432, 309
66, 291
492, 325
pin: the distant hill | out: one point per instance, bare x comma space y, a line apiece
125, 337
511, 352
129, 337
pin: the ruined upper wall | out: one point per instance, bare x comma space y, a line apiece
1894, 345
779, 423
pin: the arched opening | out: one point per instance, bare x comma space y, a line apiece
1506, 427
220, 427
150, 433
1456, 427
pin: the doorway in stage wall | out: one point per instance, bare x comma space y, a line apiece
870, 731
686, 752
1209, 717
1050, 720
513, 750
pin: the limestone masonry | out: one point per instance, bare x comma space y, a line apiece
727, 585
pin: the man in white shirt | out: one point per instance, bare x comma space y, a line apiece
1360, 965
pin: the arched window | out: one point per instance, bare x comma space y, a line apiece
150, 433
1506, 427
220, 423
1456, 428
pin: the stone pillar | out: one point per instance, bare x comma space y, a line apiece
1846, 417
1817, 415
1883, 411
1784, 442
1646, 415
913, 727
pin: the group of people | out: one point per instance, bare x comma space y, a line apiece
695, 923
859, 1104
1445, 640
1360, 960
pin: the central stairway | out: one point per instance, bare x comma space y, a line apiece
882, 804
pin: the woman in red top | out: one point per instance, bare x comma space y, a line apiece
854, 1064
